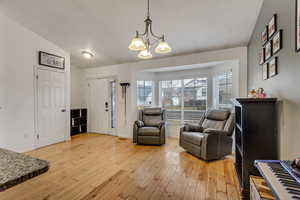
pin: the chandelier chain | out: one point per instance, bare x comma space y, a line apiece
148, 9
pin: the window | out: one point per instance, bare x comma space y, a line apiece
171, 94
223, 89
195, 94
144, 92
184, 99
195, 98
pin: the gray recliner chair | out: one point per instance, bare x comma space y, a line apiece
211, 139
150, 128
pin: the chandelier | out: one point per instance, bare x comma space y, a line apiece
143, 42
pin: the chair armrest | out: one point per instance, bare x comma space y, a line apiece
210, 131
215, 145
161, 124
192, 128
139, 123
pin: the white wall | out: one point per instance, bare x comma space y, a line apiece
18, 57
77, 92
284, 86
130, 73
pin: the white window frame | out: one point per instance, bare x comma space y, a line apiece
216, 90
153, 93
182, 96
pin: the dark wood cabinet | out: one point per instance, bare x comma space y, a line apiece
255, 136
78, 121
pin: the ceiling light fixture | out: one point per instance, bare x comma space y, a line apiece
143, 42
87, 54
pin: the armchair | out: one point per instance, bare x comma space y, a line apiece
150, 128
211, 139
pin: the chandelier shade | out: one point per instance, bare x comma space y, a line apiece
137, 44
163, 47
145, 54
143, 42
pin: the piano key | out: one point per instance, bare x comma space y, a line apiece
284, 177
295, 197
294, 193
286, 185
294, 190
290, 183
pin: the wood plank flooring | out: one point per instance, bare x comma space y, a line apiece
94, 166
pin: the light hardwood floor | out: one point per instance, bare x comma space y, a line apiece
95, 166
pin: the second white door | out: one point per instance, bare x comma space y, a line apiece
99, 106
51, 115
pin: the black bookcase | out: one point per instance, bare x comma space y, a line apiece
78, 121
255, 136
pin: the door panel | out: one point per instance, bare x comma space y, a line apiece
99, 113
51, 102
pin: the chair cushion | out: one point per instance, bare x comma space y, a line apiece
193, 137
152, 120
193, 128
152, 111
149, 131
218, 125
219, 115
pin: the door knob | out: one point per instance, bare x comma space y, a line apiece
63, 110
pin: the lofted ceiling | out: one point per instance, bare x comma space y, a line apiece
106, 27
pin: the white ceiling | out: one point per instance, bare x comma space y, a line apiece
107, 26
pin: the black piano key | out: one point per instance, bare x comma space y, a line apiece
290, 186
292, 189
294, 192
287, 180
295, 197
290, 183
282, 173
285, 177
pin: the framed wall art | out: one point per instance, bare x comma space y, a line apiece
264, 35
50, 60
273, 67
262, 56
297, 25
277, 42
268, 50
272, 26
265, 71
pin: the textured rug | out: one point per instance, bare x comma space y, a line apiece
16, 168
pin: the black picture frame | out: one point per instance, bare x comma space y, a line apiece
265, 35
262, 56
277, 36
268, 48
297, 27
272, 23
273, 67
47, 59
265, 71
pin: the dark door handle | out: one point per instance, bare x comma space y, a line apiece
63, 110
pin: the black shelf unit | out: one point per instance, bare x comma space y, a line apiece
255, 136
78, 121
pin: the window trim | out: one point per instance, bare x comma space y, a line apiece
182, 120
152, 90
216, 90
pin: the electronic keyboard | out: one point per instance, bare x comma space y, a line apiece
281, 178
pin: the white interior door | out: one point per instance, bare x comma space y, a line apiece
51, 108
99, 106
